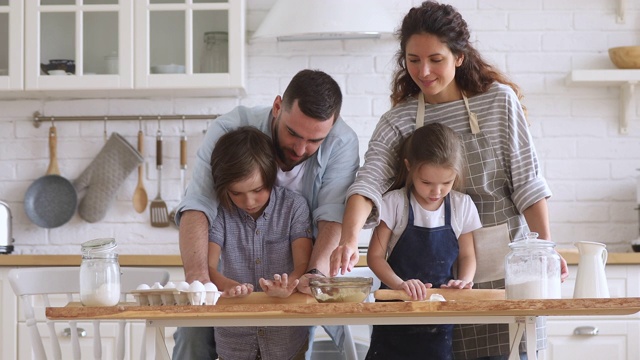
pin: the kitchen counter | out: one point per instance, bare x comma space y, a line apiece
174, 260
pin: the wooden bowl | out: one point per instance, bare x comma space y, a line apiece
625, 57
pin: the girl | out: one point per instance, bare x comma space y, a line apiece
424, 240
261, 231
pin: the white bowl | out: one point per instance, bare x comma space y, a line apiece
167, 69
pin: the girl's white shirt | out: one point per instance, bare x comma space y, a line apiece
395, 213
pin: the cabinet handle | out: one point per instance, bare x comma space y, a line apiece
81, 332
586, 330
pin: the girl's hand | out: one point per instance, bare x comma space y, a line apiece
415, 288
457, 284
280, 286
239, 290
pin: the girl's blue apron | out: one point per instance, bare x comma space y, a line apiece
426, 254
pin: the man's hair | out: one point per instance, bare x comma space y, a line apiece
318, 95
237, 155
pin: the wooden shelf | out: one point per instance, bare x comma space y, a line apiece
625, 79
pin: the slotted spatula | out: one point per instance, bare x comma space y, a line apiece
158, 208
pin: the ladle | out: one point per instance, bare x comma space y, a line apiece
140, 198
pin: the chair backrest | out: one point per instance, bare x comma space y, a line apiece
29, 284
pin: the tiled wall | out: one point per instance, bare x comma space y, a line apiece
590, 167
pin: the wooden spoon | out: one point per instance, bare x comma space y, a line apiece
140, 198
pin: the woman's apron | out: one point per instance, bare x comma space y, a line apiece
491, 245
427, 254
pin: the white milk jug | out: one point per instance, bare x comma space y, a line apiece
591, 280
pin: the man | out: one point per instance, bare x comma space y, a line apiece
317, 156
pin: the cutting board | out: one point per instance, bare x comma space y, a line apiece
448, 294
263, 298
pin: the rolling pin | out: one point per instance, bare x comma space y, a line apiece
448, 294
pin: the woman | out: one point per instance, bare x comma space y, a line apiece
442, 78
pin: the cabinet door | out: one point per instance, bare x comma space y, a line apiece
615, 339
108, 336
86, 44
11, 44
171, 52
8, 318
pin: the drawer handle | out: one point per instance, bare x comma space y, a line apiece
586, 331
67, 332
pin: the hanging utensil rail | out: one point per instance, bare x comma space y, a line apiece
38, 118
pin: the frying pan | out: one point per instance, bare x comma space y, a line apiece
51, 200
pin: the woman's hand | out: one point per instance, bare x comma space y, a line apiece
457, 284
564, 269
414, 288
239, 290
279, 287
343, 259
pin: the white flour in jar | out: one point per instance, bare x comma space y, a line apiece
534, 288
104, 295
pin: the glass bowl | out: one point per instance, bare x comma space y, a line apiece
342, 289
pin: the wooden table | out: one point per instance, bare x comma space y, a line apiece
520, 314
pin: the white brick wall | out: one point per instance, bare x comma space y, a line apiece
589, 166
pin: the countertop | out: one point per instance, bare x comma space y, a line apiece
174, 260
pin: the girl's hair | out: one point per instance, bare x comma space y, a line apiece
474, 76
432, 144
237, 155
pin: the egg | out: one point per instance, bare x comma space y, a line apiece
182, 286
156, 286
143, 287
196, 286
210, 287
212, 294
170, 285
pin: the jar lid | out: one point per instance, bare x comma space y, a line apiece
531, 240
99, 245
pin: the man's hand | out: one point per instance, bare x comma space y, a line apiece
303, 285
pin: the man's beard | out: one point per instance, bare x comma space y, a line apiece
280, 153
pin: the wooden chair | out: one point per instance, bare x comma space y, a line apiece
31, 284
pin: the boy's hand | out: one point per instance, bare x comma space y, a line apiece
240, 290
280, 286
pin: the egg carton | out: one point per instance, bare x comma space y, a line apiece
168, 297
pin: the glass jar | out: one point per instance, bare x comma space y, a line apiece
532, 269
215, 53
99, 273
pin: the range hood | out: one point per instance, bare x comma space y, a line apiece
301, 20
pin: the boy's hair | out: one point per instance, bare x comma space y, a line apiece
433, 144
318, 94
236, 155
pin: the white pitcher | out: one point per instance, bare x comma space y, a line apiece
591, 281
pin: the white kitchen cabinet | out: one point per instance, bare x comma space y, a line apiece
597, 337
87, 32
15, 342
108, 336
8, 318
11, 44
172, 32
124, 45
